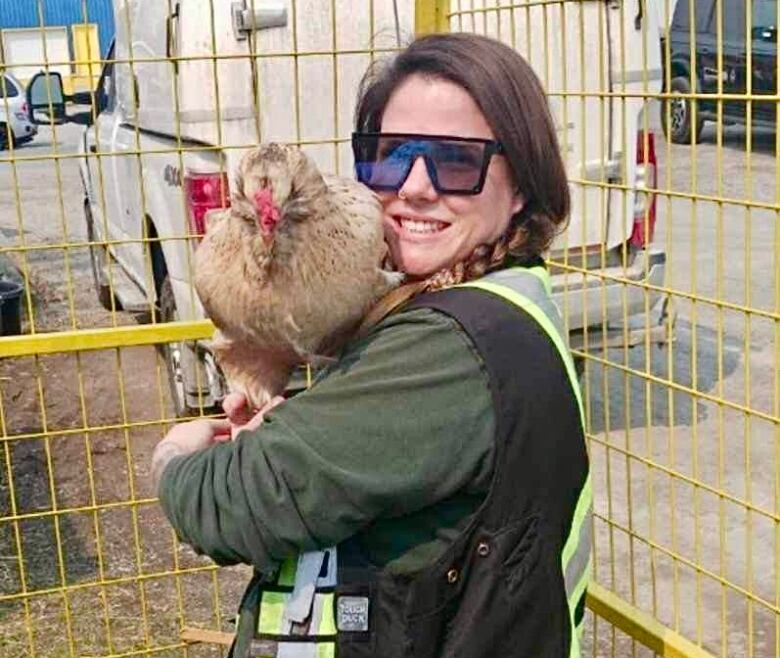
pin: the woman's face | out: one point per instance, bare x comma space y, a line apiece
427, 231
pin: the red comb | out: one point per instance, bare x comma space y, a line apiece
267, 212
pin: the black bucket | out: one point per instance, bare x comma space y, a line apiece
10, 307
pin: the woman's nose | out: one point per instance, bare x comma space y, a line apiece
418, 184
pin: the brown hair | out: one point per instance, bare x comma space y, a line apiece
512, 99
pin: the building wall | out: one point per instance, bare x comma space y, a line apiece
27, 13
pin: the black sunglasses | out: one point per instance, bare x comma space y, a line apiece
455, 165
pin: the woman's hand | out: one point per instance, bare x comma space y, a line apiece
195, 435
186, 438
198, 434
241, 417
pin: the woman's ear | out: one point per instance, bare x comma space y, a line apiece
518, 203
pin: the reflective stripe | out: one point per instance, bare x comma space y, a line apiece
328, 618
326, 650
286, 576
579, 590
530, 290
271, 612
299, 605
323, 607
297, 650
541, 273
576, 551
529, 293
304, 609
272, 621
576, 560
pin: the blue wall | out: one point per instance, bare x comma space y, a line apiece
25, 13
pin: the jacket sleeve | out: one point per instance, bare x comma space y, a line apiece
404, 420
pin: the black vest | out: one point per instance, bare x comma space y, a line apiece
513, 582
499, 590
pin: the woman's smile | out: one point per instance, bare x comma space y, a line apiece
416, 226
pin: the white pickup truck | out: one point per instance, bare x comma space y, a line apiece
179, 99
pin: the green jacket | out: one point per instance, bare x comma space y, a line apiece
394, 442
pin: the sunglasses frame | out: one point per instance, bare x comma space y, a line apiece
492, 147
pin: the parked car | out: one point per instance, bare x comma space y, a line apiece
191, 129
705, 65
15, 125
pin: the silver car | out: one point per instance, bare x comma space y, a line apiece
15, 125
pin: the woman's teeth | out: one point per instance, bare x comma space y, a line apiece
417, 226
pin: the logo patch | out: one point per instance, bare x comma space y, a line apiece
352, 614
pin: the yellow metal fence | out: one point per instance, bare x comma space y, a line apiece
682, 399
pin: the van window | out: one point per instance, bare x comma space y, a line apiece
764, 16
733, 21
7, 88
703, 12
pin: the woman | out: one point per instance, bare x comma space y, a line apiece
443, 455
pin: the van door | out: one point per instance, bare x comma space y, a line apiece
734, 56
635, 72
116, 175
131, 201
573, 66
105, 174
704, 51
135, 20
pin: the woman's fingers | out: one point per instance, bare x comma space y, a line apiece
241, 417
252, 422
258, 418
221, 428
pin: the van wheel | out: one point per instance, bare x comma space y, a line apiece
6, 136
97, 260
677, 115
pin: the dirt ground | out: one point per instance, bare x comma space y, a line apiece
77, 508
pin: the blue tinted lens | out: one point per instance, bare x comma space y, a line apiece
384, 162
403, 150
393, 159
385, 174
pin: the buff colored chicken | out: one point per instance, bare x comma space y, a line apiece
289, 270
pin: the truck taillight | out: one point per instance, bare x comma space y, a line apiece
645, 202
204, 192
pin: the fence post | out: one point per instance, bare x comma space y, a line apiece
430, 16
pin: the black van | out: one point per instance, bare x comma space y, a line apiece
695, 62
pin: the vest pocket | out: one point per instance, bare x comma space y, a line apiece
456, 603
524, 556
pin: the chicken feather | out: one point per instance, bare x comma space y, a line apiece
289, 270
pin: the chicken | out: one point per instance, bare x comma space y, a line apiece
289, 270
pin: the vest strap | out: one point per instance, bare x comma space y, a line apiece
529, 289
